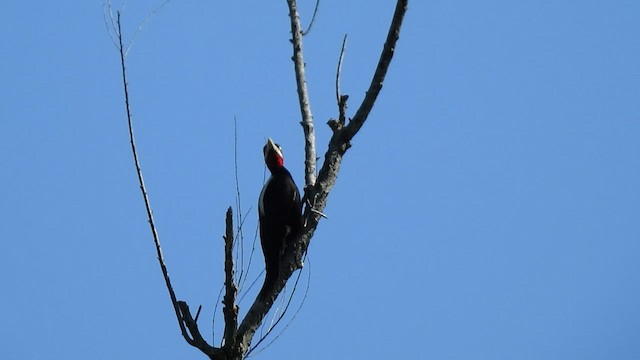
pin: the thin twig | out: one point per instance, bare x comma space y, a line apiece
106, 7
304, 297
341, 99
313, 19
245, 269
240, 235
142, 24
213, 318
253, 247
113, 24
253, 283
339, 69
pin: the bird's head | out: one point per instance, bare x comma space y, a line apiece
273, 156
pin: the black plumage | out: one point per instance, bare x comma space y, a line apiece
279, 210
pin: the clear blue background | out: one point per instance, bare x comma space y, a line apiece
489, 209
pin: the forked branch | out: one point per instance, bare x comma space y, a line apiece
342, 135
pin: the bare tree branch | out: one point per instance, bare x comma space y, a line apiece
342, 135
196, 339
183, 315
303, 97
230, 309
381, 71
143, 188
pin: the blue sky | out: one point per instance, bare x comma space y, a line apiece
489, 209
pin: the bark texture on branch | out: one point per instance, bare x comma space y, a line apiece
303, 97
230, 309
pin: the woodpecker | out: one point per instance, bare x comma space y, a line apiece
279, 209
